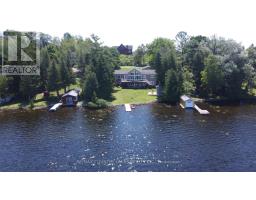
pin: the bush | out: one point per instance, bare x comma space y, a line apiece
102, 103
92, 105
98, 104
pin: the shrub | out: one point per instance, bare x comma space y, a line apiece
98, 104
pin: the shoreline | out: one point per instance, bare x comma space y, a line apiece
218, 102
79, 105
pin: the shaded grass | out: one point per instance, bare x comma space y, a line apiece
132, 96
126, 68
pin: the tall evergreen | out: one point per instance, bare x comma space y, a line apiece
53, 78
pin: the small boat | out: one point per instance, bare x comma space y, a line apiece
133, 107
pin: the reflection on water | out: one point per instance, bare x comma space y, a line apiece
151, 138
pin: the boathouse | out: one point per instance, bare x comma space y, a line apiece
70, 98
186, 102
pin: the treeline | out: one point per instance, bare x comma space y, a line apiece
205, 67
93, 63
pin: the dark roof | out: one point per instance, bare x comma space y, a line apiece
125, 49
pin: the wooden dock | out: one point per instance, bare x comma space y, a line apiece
202, 112
127, 107
55, 107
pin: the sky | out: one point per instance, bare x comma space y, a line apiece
132, 22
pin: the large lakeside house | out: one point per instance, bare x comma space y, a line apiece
135, 78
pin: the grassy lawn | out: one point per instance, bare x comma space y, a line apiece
126, 68
132, 96
39, 99
14, 105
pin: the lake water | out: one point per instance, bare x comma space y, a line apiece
150, 138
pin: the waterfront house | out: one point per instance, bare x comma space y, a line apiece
70, 98
135, 78
186, 102
125, 49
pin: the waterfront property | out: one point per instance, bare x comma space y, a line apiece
135, 78
70, 98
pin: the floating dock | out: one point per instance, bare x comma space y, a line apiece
127, 107
202, 112
55, 107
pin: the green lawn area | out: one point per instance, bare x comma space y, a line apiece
126, 68
132, 96
14, 105
39, 99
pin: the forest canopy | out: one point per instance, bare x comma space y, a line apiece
206, 67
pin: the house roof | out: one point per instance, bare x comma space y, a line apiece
185, 98
121, 71
142, 71
71, 93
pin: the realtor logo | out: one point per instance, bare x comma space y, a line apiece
20, 53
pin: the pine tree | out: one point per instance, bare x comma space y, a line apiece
53, 78
29, 86
90, 87
65, 75
173, 86
44, 66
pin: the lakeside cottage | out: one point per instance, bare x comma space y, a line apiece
135, 78
70, 98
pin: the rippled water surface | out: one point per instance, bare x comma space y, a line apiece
151, 138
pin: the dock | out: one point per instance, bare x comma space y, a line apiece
127, 107
202, 112
55, 107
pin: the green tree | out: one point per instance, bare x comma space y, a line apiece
90, 87
212, 76
163, 57
250, 78
44, 66
173, 86
53, 78
28, 87
188, 84
66, 75
195, 51
139, 56
126, 60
